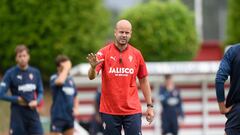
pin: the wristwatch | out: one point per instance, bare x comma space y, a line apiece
150, 105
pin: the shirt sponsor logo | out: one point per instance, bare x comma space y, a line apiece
27, 87
68, 90
121, 71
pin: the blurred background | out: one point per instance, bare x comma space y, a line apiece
186, 38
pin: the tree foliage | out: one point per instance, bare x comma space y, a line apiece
48, 28
163, 31
233, 22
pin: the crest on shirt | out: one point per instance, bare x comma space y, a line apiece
19, 77
175, 93
130, 57
31, 76
70, 82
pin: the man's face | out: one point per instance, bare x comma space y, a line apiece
123, 34
169, 81
22, 59
60, 68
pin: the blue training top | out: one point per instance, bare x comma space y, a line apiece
63, 99
25, 83
171, 102
229, 66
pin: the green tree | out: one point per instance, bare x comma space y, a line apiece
163, 31
47, 27
233, 22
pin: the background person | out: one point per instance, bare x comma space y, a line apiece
65, 102
26, 89
172, 111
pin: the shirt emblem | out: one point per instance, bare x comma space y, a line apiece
175, 93
31, 76
70, 82
130, 57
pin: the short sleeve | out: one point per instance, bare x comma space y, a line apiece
142, 71
52, 81
100, 55
75, 88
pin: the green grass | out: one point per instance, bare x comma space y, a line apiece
44, 112
4, 117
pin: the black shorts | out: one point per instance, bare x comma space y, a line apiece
170, 124
61, 126
232, 126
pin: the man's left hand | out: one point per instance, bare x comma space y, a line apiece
32, 104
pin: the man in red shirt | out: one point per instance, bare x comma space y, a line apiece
120, 64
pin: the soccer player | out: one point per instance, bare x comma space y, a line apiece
65, 102
171, 107
120, 64
24, 83
229, 66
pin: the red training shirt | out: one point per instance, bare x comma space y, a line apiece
119, 71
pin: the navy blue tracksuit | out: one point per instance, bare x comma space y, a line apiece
62, 107
171, 110
26, 84
230, 66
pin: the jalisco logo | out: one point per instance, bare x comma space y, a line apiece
121, 70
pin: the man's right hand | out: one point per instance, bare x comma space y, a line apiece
66, 65
93, 61
22, 102
223, 109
